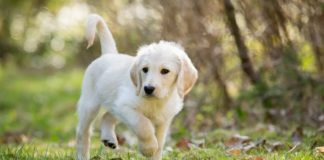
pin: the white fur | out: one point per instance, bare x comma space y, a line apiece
95, 21
116, 82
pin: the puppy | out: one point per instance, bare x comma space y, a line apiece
144, 92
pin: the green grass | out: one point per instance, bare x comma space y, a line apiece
214, 149
42, 108
46, 150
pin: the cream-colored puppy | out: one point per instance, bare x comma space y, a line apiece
144, 92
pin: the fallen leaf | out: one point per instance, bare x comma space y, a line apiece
319, 149
234, 151
258, 158
253, 158
237, 140
183, 143
249, 146
275, 146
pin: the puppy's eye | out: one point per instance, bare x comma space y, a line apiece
164, 71
145, 69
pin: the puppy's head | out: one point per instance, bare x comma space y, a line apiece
162, 67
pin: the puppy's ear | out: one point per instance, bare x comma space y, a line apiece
187, 76
136, 77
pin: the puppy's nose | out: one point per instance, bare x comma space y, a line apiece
149, 89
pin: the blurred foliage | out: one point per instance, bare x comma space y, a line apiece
40, 106
258, 61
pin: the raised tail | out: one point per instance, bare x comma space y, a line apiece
107, 41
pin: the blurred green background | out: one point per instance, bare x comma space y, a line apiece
261, 63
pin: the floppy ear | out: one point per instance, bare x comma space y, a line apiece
187, 76
136, 77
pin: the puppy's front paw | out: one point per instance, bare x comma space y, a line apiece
109, 144
148, 148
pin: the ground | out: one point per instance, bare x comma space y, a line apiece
45, 150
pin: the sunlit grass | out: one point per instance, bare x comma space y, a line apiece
98, 152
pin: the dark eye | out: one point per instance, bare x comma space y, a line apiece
165, 71
145, 69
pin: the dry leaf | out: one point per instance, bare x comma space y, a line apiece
183, 143
319, 149
258, 158
237, 140
253, 158
249, 146
274, 146
234, 151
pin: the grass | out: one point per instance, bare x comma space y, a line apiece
44, 150
42, 108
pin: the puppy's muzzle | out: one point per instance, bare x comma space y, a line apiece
149, 90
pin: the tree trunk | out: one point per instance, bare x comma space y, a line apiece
242, 50
316, 35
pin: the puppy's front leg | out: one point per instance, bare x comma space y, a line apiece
142, 127
161, 133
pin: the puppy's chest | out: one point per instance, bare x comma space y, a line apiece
156, 113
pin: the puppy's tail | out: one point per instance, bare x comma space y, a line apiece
107, 41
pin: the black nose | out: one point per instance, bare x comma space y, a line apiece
149, 89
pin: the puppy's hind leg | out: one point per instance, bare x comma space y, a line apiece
108, 135
87, 110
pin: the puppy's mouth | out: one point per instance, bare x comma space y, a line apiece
149, 96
